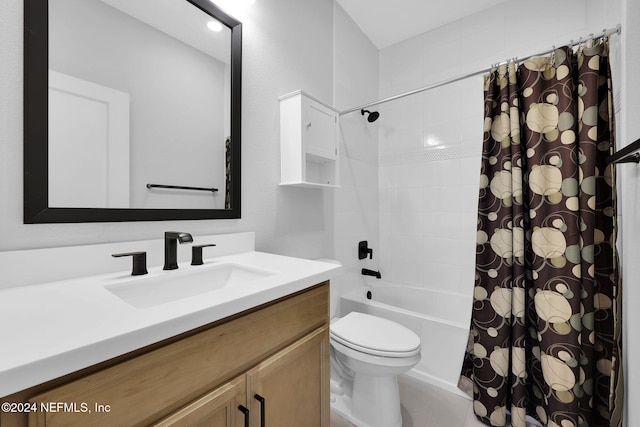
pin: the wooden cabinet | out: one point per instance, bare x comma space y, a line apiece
293, 384
218, 408
279, 351
287, 389
308, 142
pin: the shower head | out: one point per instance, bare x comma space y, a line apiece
373, 115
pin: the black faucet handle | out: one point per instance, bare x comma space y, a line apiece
364, 250
139, 262
196, 253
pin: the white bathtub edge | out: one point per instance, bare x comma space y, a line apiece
438, 382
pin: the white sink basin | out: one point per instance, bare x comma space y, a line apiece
167, 286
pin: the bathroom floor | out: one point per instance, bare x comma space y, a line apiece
424, 405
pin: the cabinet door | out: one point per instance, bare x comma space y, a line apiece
294, 384
218, 408
319, 129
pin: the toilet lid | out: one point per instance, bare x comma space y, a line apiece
375, 335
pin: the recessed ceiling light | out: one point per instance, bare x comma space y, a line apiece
214, 26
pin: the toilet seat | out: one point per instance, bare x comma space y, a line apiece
375, 336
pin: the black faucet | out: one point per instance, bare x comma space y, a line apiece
367, 272
171, 247
139, 262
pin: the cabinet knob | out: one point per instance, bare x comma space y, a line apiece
308, 125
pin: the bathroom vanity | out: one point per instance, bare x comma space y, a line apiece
86, 355
278, 351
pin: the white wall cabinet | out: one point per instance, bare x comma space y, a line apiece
308, 142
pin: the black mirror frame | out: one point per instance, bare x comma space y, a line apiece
36, 66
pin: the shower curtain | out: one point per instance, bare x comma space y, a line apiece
545, 336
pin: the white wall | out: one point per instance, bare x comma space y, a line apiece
629, 183
429, 171
356, 201
287, 46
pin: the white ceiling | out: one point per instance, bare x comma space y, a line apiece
387, 22
190, 29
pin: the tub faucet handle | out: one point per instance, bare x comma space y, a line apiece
364, 250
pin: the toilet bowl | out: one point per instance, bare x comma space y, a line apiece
367, 354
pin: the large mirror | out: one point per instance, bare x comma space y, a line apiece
132, 111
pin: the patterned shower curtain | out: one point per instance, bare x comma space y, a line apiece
545, 336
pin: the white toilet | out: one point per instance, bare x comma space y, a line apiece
367, 354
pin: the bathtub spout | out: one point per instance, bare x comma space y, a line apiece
367, 272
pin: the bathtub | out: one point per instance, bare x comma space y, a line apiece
441, 319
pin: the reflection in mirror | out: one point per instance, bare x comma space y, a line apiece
164, 80
140, 93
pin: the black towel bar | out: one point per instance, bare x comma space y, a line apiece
180, 187
626, 155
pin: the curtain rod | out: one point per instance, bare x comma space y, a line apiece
604, 33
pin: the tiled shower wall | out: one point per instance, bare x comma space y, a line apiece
430, 143
429, 154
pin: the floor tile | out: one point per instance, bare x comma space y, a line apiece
425, 405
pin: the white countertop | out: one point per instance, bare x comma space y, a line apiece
52, 329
